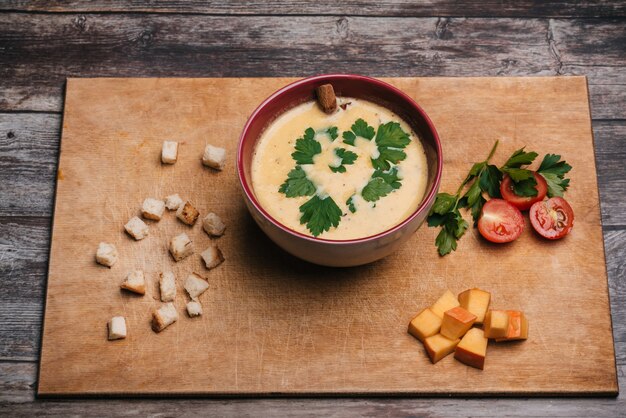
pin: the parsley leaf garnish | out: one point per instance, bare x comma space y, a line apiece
362, 129
347, 158
375, 189
390, 139
297, 184
348, 137
553, 171
390, 177
306, 148
332, 132
350, 204
320, 215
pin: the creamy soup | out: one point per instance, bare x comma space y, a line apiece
352, 174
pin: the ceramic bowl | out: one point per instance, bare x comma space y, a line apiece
339, 253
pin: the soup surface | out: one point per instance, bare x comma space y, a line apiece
352, 174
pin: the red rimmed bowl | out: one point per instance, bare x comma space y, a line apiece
339, 253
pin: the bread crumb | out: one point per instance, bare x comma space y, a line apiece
214, 157
136, 228
194, 308
169, 152
167, 286
117, 328
153, 209
187, 214
106, 254
195, 285
163, 317
181, 247
135, 282
213, 225
173, 202
212, 257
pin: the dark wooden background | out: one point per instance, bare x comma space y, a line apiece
43, 42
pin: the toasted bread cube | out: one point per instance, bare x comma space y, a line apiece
169, 152
117, 328
213, 225
153, 209
214, 157
106, 254
425, 324
472, 349
194, 308
195, 285
496, 324
476, 301
518, 327
173, 202
437, 346
446, 302
181, 247
212, 257
136, 228
167, 286
163, 317
456, 322
187, 213
135, 282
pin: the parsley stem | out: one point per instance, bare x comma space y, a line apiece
493, 151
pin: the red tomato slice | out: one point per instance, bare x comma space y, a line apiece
500, 221
522, 202
552, 219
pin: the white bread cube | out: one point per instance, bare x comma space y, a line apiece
106, 254
195, 285
181, 247
212, 257
163, 317
136, 228
169, 152
214, 157
135, 282
213, 225
153, 209
167, 286
117, 328
173, 202
194, 308
187, 214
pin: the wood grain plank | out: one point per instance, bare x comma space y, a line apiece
40, 50
466, 8
17, 399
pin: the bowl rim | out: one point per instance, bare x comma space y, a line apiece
249, 194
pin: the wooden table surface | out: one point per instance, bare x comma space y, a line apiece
43, 42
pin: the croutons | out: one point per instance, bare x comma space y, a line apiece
187, 214
169, 152
212, 257
153, 209
167, 286
194, 308
213, 225
106, 254
117, 328
181, 247
195, 285
173, 202
135, 282
136, 228
214, 157
326, 98
163, 317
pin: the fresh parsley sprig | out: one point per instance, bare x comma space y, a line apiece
553, 171
347, 158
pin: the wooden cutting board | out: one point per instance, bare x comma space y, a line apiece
275, 325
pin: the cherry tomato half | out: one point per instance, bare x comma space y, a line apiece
500, 221
522, 202
552, 219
